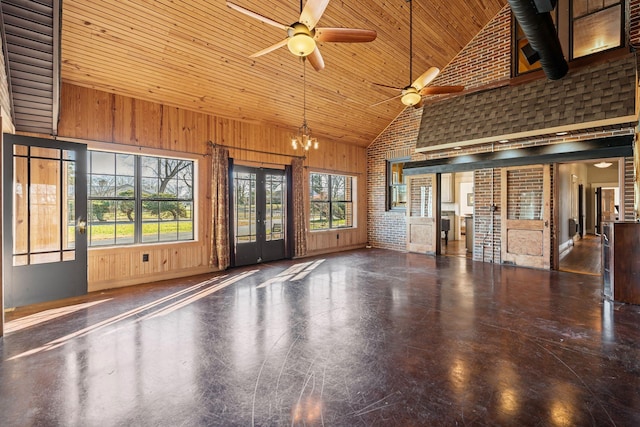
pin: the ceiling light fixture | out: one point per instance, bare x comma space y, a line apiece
301, 42
561, 133
303, 139
503, 141
602, 164
410, 96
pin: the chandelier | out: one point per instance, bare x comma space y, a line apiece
304, 140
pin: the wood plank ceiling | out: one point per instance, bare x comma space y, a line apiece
195, 55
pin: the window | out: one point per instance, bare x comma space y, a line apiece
331, 201
596, 26
396, 185
139, 199
584, 27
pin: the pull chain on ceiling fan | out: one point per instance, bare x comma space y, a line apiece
302, 35
412, 95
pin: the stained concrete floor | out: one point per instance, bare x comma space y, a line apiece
368, 337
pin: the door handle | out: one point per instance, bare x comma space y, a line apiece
546, 223
81, 225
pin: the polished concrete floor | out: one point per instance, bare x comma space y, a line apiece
369, 337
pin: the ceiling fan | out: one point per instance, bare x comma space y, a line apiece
302, 35
412, 95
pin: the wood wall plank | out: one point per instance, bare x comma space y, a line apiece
135, 125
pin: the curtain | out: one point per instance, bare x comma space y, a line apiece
299, 211
219, 208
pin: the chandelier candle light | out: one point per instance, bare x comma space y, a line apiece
304, 139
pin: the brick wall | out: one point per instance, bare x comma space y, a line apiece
487, 223
486, 59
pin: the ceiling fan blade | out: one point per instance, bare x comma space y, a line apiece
419, 104
315, 59
257, 16
270, 48
386, 100
390, 87
312, 12
345, 35
439, 90
426, 78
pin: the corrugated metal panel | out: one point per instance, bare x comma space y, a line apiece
32, 43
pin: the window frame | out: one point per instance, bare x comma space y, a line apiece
564, 22
349, 200
390, 185
572, 21
144, 202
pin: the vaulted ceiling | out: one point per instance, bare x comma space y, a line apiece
195, 55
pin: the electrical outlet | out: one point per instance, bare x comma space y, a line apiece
145, 257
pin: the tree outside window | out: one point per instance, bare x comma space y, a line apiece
331, 201
139, 199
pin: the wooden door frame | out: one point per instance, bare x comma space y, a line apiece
434, 247
544, 223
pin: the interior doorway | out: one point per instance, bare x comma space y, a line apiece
456, 214
588, 193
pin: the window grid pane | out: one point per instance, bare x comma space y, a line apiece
331, 204
164, 200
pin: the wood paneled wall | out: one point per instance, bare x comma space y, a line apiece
133, 125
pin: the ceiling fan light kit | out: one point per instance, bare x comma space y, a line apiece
301, 42
302, 35
411, 96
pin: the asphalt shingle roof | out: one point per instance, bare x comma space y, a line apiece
604, 91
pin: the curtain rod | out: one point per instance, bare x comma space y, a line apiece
215, 144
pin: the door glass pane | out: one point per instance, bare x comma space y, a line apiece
44, 209
274, 210
20, 209
245, 206
524, 194
48, 153
421, 197
69, 213
20, 150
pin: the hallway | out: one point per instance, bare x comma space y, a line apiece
366, 337
584, 256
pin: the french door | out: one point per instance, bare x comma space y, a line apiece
45, 202
259, 215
